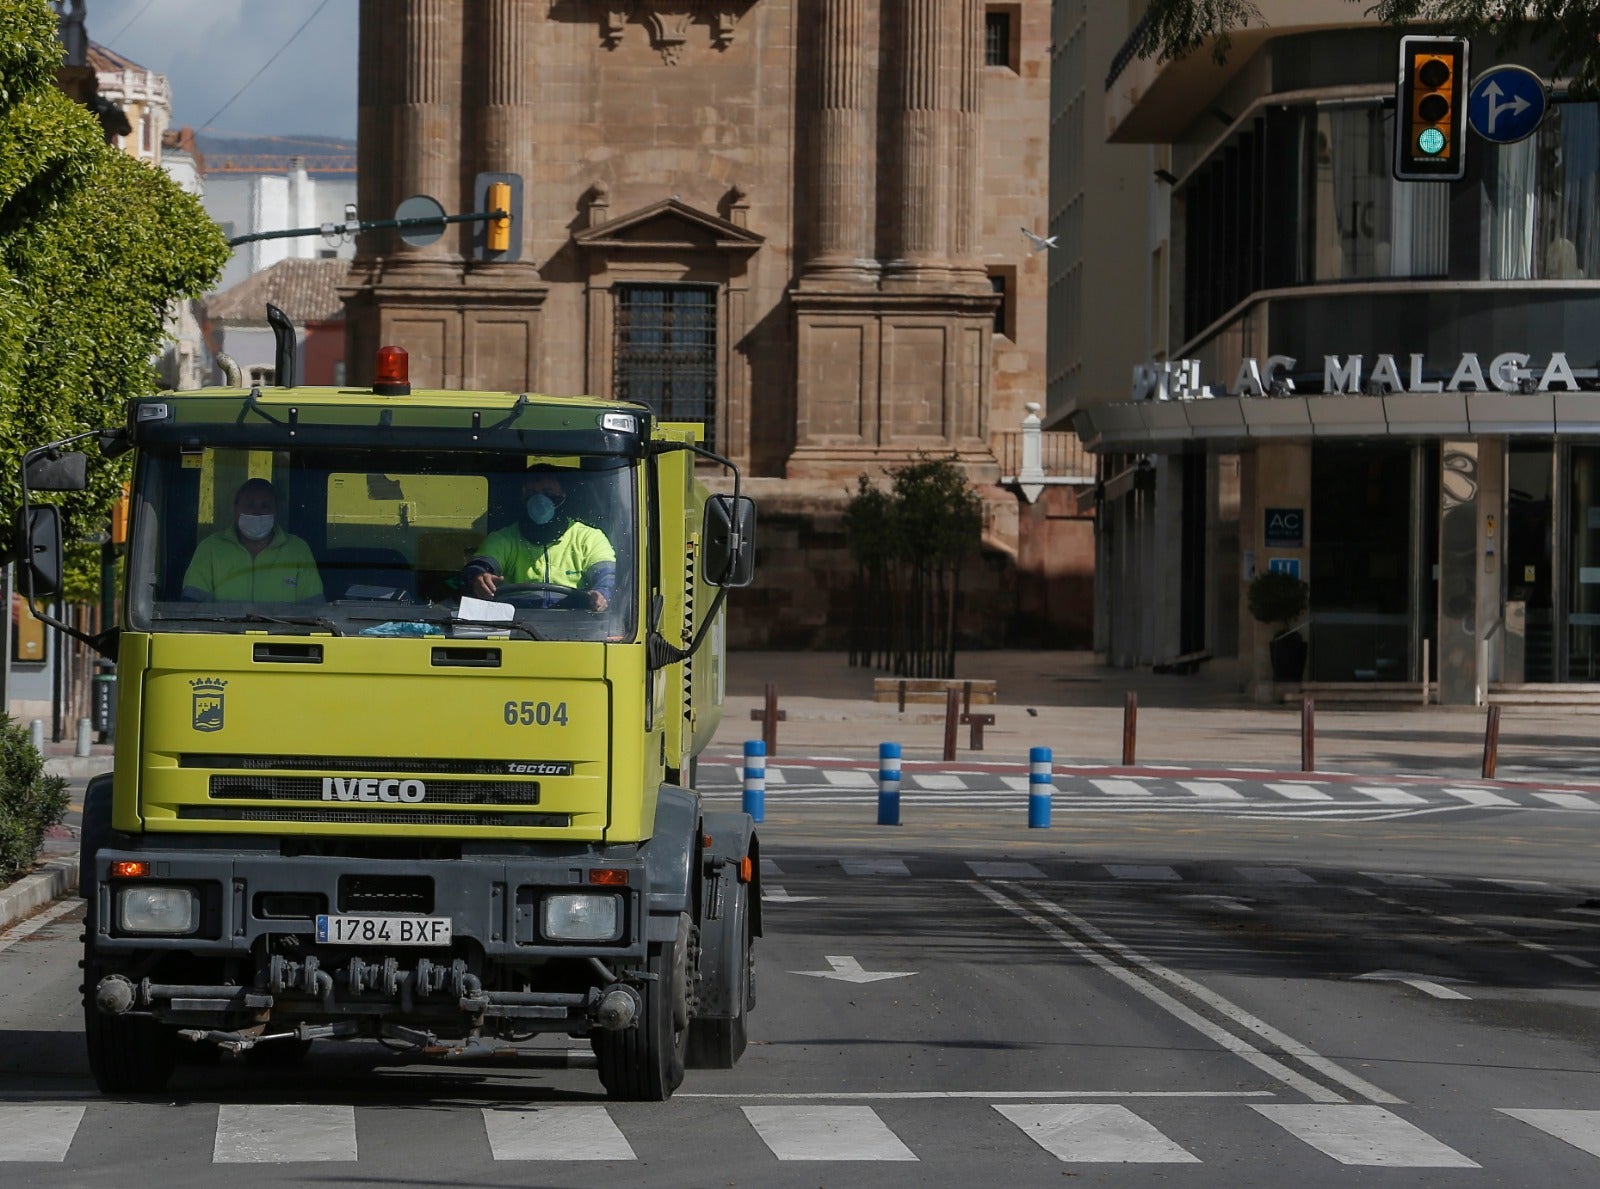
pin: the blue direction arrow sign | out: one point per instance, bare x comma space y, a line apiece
1506, 104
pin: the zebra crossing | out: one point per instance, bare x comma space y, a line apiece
1091, 1127
845, 784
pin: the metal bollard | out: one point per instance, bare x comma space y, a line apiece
1041, 785
85, 731
952, 715
755, 779
36, 734
888, 784
1491, 742
1130, 727
1308, 735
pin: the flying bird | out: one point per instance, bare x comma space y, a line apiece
1039, 242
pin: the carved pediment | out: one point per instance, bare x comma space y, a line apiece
670, 225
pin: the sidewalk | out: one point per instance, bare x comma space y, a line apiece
1073, 704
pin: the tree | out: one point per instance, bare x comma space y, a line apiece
910, 544
94, 245
1569, 28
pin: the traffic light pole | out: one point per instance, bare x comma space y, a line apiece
355, 226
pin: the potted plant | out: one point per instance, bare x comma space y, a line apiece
1279, 599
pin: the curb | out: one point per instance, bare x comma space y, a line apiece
52, 881
77, 767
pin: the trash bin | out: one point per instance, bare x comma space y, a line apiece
105, 704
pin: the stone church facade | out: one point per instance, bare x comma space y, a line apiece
798, 221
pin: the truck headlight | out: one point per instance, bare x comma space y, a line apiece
582, 916
148, 909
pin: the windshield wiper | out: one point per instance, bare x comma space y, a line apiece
310, 621
499, 625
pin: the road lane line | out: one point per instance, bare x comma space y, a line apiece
1581, 1129
1365, 1135
1096, 1133
1216, 1002
1488, 931
38, 1132
284, 1133
1121, 788
1003, 870
1567, 800
1210, 790
1389, 796
34, 923
1480, 797
1135, 871
826, 1133
1275, 875
938, 782
850, 778
1299, 792
1237, 1045
1403, 880
555, 1133
874, 867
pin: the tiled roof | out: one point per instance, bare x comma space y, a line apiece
306, 290
102, 58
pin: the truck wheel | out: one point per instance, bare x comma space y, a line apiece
718, 1043
645, 1063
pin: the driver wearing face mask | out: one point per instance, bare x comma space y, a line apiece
254, 560
545, 545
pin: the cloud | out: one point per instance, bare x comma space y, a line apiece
208, 49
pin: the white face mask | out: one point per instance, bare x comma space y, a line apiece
256, 528
541, 508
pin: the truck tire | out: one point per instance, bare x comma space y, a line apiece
719, 1043
645, 1063
127, 1054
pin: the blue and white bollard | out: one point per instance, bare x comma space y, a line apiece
755, 779
888, 784
1040, 787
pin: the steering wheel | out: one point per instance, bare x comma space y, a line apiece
535, 594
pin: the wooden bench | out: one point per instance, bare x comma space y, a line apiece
933, 690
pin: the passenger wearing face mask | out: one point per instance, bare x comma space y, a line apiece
545, 545
254, 560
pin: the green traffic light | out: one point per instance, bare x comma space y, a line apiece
1431, 141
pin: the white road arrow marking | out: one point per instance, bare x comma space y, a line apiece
774, 894
848, 970
1425, 985
1516, 103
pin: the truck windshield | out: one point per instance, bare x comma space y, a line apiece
409, 544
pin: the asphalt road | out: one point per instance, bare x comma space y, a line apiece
1211, 998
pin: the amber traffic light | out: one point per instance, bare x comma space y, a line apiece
498, 238
1431, 110
499, 233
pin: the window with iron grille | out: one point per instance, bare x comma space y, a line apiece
666, 351
997, 38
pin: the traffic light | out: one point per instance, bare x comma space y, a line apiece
1430, 117
498, 240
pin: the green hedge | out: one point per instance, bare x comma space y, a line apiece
30, 801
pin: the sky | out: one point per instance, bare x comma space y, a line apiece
210, 49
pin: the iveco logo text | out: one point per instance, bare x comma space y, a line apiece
368, 788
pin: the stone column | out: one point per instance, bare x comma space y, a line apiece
920, 124
425, 133
375, 197
966, 171
841, 247
507, 119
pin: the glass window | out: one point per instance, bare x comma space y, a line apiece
1541, 210
340, 548
997, 38
1365, 224
666, 351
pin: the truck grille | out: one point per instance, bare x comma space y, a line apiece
410, 765
309, 788
399, 817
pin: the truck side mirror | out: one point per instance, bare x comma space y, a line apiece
728, 541
57, 472
39, 565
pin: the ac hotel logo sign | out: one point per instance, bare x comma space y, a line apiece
1509, 371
